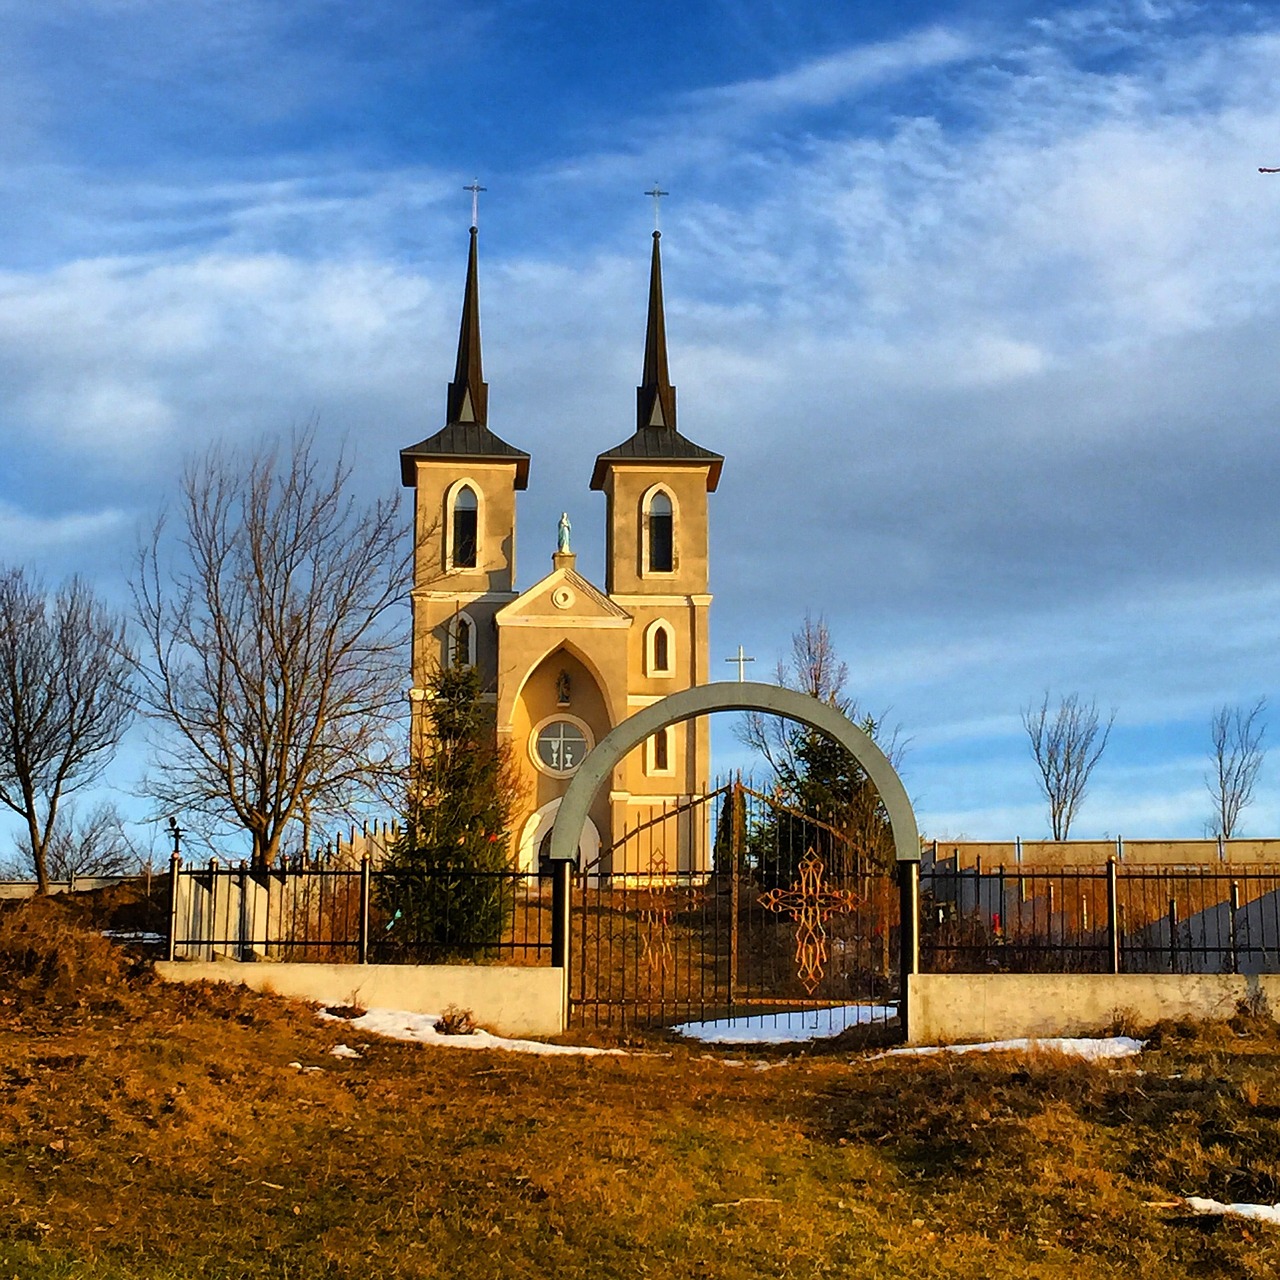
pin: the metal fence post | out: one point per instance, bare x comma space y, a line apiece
560, 932
362, 945
1113, 915
244, 948
909, 935
560, 914
1235, 941
175, 862
1173, 935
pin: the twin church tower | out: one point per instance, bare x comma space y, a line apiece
563, 662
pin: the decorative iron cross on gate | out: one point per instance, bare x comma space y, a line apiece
810, 904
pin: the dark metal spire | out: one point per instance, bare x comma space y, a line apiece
468, 392
655, 397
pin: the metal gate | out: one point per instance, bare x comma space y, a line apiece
733, 905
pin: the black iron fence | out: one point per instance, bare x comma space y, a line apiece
1110, 919
298, 911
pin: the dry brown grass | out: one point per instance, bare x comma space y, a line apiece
149, 1131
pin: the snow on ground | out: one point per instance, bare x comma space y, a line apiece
421, 1027
1259, 1212
1095, 1050
786, 1028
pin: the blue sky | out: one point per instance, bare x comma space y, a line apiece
979, 301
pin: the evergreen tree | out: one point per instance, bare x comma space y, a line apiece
731, 830
449, 893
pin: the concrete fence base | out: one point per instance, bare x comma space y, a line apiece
952, 1008
508, 1000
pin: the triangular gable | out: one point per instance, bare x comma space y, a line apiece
563, 596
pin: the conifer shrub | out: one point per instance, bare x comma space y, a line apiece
447, 891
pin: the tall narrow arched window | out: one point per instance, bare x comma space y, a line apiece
661, 751
465, 528
460, 640
661, 534
661, 651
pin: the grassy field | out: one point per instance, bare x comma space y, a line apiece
152, 1131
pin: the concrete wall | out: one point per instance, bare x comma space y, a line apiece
953, 1008
505, 999
81, 884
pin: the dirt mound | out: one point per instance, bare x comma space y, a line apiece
48, 959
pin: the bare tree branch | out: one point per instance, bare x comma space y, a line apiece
65, 700
1065, 746
1235, 758
95, 845
269, 649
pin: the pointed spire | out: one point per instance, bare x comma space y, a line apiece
468, 392
656, 397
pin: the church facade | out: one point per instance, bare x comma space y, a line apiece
565, 660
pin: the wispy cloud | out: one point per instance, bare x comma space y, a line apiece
822, 82
25, 534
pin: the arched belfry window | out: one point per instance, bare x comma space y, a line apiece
465, 528
660, 528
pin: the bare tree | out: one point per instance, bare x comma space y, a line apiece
96, 844
1066, 746
1235, 758
812, 773
814, 668
270, 651
65, 700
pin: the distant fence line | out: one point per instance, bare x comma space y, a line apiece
308, 911
1109, 919
971, 854
16, 889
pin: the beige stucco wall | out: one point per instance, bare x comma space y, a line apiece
954, 1008
505, 999
537, 701
524, 641
625, 487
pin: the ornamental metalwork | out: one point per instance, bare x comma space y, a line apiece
810, 903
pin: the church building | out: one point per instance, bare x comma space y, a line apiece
564, 660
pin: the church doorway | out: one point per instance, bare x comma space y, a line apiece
534, 846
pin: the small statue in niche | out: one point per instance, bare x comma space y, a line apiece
562, 689
563, 532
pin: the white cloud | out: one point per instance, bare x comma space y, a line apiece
825, 81
23, 534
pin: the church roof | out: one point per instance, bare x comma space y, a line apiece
656, 438
466, 434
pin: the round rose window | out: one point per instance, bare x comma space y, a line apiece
561, 746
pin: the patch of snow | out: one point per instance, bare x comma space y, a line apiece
135, 935
786, 1028
343, 1051
397, 1024
297, 1066
1258, 1212
1098, 1049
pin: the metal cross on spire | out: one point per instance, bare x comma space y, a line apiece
656, 195
741, 659
475, 188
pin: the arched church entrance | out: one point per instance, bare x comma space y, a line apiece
534, 846
730, 904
